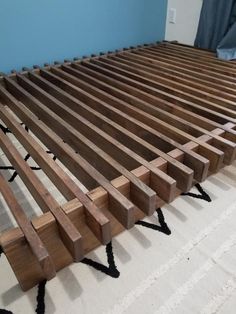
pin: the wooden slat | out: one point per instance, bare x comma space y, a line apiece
98, 223
222, 75
220, 143
71, 237
160, 96
73, 209
165, 84
123, 154
162, 141
198, 53
175, 72
228, 113
30, 234
191, 116
136, 127
227, 146
212, 154
120, 206
128, 139
201, 59
201, 75
139, 72
190, 157
167, 106
46, 222
218, 68
141, 195
175, 76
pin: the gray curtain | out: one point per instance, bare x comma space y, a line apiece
217, 28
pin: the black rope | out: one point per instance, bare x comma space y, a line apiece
7, 130
6, 168
4, 129
203, 195
15, 174
111, 261
163, 228
1, 251
111, 270
40, 298
26, 128
5, 312
50, 153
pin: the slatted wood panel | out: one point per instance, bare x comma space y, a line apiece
136, 128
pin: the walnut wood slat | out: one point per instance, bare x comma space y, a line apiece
206, 62
121, 207
189, 157
198, 54
229, 147
154, 97
163, 74
181, 171
131, 68
212, 153
26, 227
71, 237
200, 75
165, 84
221, 69
136, 127
222, 75
109, 144
190, 116
98, 223
157, 92
140, 194
226, 146
189, 48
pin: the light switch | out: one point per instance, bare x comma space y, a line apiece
172, 15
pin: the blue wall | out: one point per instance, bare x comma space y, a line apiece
38, 31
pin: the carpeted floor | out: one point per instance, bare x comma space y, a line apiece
181, 260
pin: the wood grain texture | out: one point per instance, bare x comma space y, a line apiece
135, 127
34, 241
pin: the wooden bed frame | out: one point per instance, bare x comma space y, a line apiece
137, 127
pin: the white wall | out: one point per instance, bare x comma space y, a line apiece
187, 18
